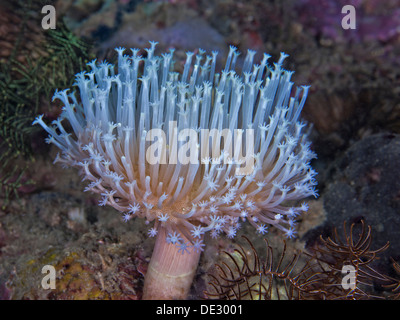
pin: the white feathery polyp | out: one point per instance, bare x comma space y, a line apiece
118, 113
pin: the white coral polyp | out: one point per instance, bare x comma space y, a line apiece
117, 108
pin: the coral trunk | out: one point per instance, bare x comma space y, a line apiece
171, 270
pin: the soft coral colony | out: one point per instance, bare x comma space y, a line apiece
129, 124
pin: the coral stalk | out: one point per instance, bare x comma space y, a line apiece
171, 269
